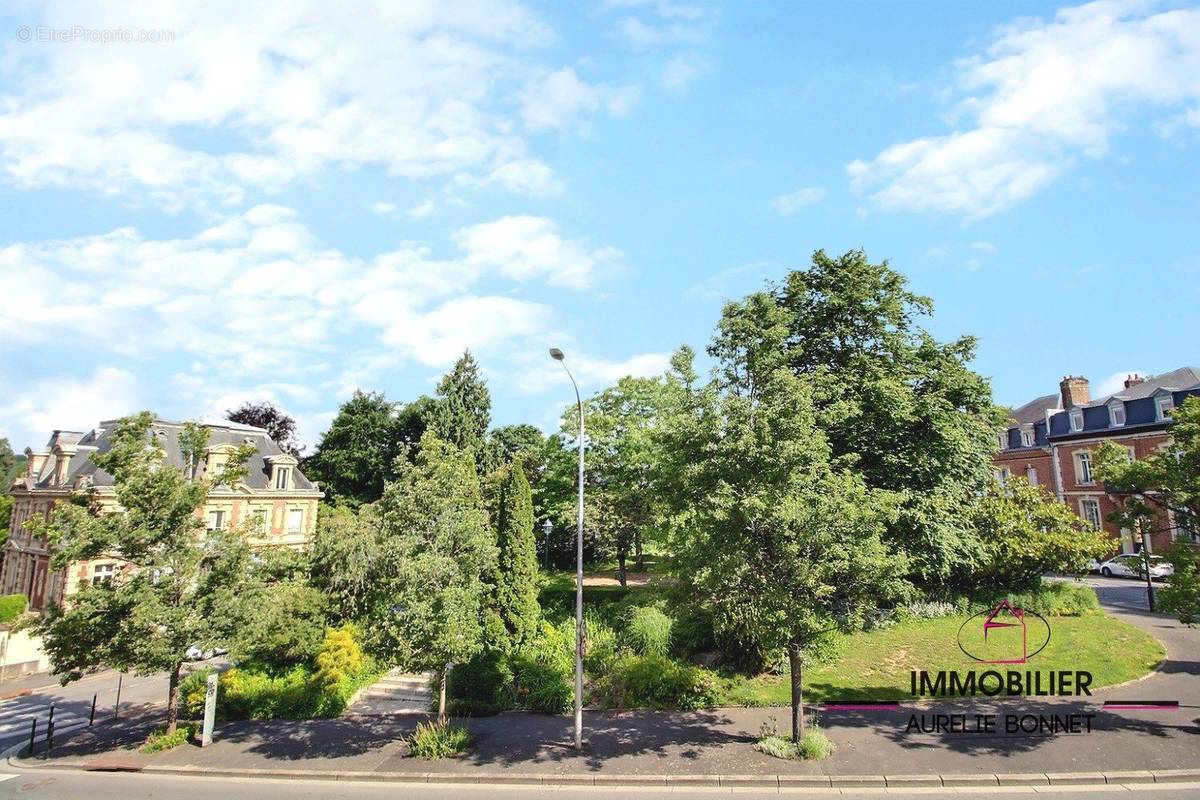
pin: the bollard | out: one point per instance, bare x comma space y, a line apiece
32, 735
92, 716
117, 707
49, 738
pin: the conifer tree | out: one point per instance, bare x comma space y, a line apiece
515, 595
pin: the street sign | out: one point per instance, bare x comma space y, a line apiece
210, 710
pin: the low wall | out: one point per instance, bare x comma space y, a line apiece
20, 654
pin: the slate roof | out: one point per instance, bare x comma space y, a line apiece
258, 475
1035, 410
1182, 378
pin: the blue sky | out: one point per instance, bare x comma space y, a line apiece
288, 206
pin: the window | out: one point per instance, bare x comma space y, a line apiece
1002, 475
258, 522
102, 573
1077, 419
1163, 406
1089, 509
282, 477
295, 522
1116, 414
216, 520
1002, 440
1026, 438
1083, 468
1131, 452
1031, 476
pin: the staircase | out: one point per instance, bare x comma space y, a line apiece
395, 693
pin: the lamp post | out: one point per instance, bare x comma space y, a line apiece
547, 527
557, 355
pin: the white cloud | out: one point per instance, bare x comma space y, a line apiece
790, 203
256, 295
560, 98
383, 209
590, 371
1039, 96
68, 403
422, 210
680, 71
525, 247
420, 90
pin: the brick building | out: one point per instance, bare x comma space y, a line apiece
275, 498
1052, 441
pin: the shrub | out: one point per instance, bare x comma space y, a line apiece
927, 609
160, 740
648, 631
12, 606
601, 646
1181, 595
1059, 599
481, 686
814, 744
543, 686
656, 681
438, 740
288, 627
340, 657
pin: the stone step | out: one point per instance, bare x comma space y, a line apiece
394, 693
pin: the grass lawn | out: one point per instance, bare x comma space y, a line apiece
876, 665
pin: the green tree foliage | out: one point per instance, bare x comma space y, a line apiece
628, 470
1160, 489
777, 544
1025, 532
357, 455
462, 411
176, 588
904, 409
1181, 595
411, 567
8, 465
514, 589
278, 424
283, 623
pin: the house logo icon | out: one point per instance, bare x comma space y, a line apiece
1007, 634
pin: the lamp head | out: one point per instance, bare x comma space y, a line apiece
556, 354
547, 526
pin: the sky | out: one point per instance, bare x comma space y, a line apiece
207, 203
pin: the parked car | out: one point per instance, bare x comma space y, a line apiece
194, 653
1130, 565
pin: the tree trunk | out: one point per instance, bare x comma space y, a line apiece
795, 660
442, 694
640, 559
173, 699
621, 556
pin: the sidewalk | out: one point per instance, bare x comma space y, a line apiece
711, 743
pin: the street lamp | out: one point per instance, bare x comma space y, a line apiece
558, 356
547, 527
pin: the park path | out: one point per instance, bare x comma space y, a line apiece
395, 693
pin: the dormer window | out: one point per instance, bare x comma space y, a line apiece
1163, 406
1002, 440
1116, 414
282, 474
1076, 419
1027, 438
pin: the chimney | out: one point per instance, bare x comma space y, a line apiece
1075, 391
1133, 380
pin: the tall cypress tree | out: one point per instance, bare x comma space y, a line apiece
463, 410
515, 599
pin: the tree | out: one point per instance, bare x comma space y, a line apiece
463, 410
1161, 492
514, 590
176, 588
904, 409
411, 567
357, 455
8, 465
278, 424
1025, 532
778, 545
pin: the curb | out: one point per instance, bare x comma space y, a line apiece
1165, 776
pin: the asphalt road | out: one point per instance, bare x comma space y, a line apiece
121, 786
72, 703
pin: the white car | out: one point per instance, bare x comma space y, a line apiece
1129, 565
